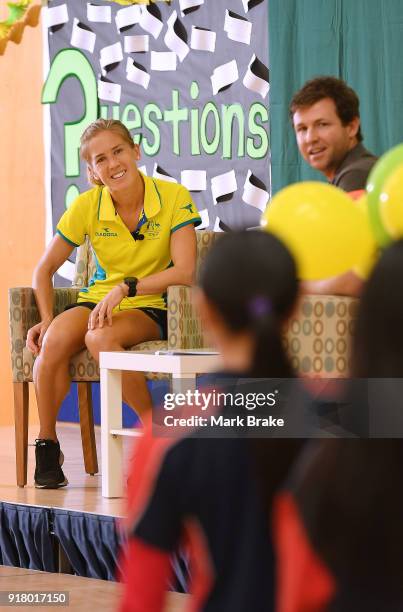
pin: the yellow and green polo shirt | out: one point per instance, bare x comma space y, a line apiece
167, 207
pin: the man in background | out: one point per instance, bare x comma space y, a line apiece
326, 118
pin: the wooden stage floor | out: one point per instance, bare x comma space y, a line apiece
83, 593
83, 493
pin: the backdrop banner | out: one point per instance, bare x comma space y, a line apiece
189, 79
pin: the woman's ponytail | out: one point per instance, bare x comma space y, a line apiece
266, 326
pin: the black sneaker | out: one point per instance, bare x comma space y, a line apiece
49, 458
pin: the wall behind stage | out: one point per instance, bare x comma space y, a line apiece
22, 194
359, 41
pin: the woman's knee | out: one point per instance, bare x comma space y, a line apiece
100, 339
56, 346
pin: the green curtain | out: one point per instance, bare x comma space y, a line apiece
360, 41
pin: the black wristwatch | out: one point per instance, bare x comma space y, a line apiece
131, 282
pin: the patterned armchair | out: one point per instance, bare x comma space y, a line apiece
184, 331
317, 338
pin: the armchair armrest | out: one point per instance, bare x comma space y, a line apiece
23, 314
184, 326
318, 335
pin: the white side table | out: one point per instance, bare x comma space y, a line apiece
182, 366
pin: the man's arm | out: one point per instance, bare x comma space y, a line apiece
348, 284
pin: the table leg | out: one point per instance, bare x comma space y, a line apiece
182, 382
111, 445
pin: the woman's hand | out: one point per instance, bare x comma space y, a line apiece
103, 310
35, 336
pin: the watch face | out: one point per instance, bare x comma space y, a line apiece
131, 282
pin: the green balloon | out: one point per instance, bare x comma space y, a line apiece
383, 168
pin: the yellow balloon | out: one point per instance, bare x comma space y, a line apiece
391, 204
327, 232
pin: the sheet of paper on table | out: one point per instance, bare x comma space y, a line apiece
186, 352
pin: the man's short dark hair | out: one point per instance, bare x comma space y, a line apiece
346, 100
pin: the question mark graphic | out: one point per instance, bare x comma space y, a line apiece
72, 63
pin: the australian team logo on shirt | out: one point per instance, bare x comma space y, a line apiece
152, 229
106, 233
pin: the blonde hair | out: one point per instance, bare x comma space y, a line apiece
101, 125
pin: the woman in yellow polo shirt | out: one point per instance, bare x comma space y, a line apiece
142, 233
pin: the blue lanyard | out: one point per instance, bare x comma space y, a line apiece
136, 233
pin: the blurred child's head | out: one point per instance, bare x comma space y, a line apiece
378, 340
248, 290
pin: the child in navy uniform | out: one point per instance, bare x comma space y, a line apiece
213, 495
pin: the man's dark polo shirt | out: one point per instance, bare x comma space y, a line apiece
353, 171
